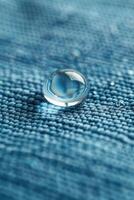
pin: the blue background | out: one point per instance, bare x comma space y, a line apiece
80, 153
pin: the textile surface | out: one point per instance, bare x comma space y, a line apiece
80, 153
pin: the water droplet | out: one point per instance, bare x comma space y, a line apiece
76, 53
65, 88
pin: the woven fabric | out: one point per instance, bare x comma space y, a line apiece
80, 153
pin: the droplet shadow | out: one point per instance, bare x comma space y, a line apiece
44, 107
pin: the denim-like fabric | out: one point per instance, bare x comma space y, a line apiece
80, 153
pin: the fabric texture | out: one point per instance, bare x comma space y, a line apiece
80, 153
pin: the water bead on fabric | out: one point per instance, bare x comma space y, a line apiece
66, 87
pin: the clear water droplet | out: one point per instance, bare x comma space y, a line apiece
76, 53
65, 87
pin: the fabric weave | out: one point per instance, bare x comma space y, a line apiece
81, 153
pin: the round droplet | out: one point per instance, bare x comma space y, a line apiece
65, 87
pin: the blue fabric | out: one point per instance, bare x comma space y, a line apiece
80, 153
